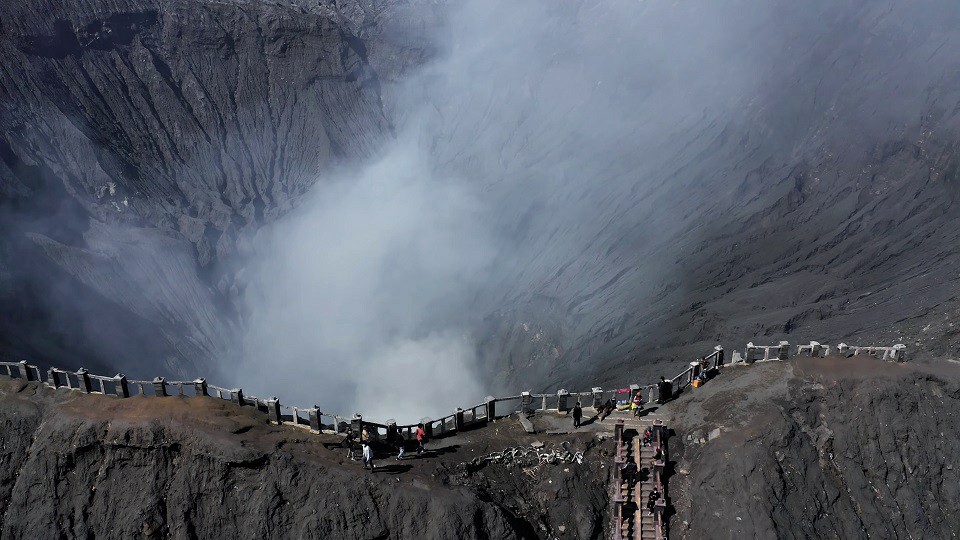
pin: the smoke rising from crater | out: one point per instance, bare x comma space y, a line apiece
534, 127
357, 298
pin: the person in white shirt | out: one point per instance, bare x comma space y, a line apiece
368, 456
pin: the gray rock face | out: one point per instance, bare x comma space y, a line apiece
96, 466
140, 140
825, 448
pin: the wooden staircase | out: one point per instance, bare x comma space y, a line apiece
646, 528
632, 519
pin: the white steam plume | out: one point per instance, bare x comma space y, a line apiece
356, 300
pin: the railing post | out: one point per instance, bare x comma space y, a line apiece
314, 413
899, 352
458, 422
525, 401
273, 410
160, 386
563, 398
356, 424
843, 349
597, 397
25, 371
491, 408
661, 433
718, 359
427, 426
200, 387
784, 353
236, 396
121, 387
83, 379
748, 354
53, 378
660, 511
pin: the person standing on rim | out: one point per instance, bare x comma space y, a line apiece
421, 439
577, 415
368, 456
664, 389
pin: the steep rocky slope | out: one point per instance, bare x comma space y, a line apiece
819, 448
141, 140
77, 466
824, 448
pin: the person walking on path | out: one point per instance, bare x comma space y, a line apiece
348, 441
577, 415
421, 440
368, 456
637, 403
401, 447
652, 500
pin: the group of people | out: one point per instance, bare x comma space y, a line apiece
394, 439
602, 412
636, 404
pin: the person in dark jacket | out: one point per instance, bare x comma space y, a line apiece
652, 500
348, 442
577, 415
665, 391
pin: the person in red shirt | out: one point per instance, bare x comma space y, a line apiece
421, 439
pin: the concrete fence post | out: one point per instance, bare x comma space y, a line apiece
236, 396
53, 378
427, 426
273, 410
160, 387
25, 371
748, 354
563, 398
120, 385
784, 353
597, 397
526, 400
899, 352
718, 359
660, 511
200, 387
314, 414
658, 468
356, 424
662, 433
83, 379
458, 422
843, 349
491, 408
